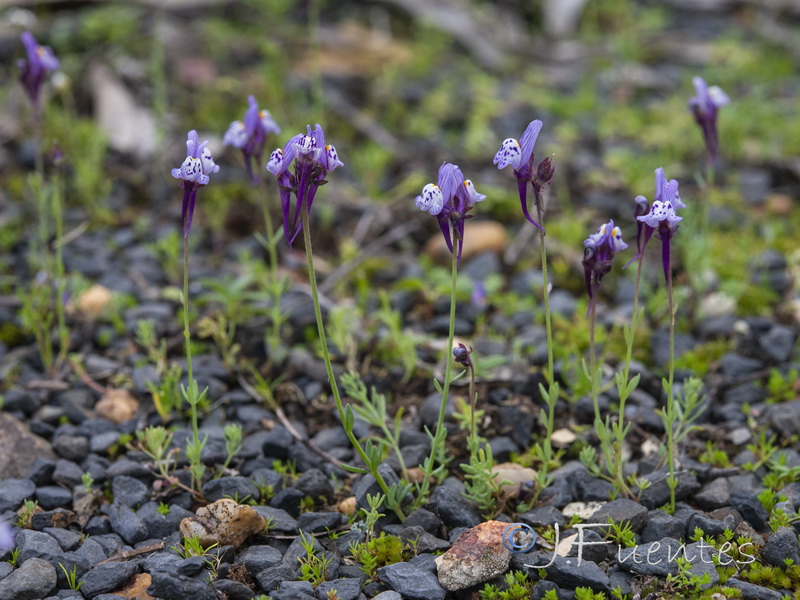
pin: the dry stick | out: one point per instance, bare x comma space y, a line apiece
253, 393
394, 234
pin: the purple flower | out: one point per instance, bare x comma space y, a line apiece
450, 200
461, 354
599, 250
6, 537
194, 173
659, 218
519, 154
33, 69
250, 135
704, 107
312, 160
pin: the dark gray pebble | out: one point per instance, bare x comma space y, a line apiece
35, 578
172, 585
750, 507
780, 546
125, 522
660, 525
346, 588
13, 492
107, 577
412, 582
239, 488
453, 509
316, 522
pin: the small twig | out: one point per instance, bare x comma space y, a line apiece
136, 552
79, 370
47, 384
288, 425
392, 235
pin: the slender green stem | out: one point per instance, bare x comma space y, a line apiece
448, 351
270, 229
593, 360
472, 428
312, 277
187, 334
58, 216
547, 321
670, 392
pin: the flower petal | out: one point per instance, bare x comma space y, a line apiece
509, 154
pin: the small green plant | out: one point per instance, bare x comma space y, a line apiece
156, 349
87, 481
586, 593
621, 534
154, 442
684, 582
37, 318
678, 417
232, 434
516, 584
166, 394
72, 577
313, 565
163, 509
192, 546
380, 551
716, 457
780, 474
782, 388
222, 331
13, 559
26, 512
372, 409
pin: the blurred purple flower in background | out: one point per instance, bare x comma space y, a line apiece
250, 135
450, 200
660, 217
598, 252
313, 160
6, 536
34, 68
704, 107
519, 154
194, 173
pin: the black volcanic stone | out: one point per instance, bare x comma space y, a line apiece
107, 577
452, 508
781, 545
750, 507
172, 585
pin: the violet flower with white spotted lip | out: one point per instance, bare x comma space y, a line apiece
599, 250
660, 218
519, 154
194, 173
704, 107
35, 67
313, 160
450, 200
250, 135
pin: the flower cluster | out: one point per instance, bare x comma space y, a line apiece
194, 173
599, 250
34, 68
519, 154
659, 217
449, 200
250, 135
312, 160
704, 107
